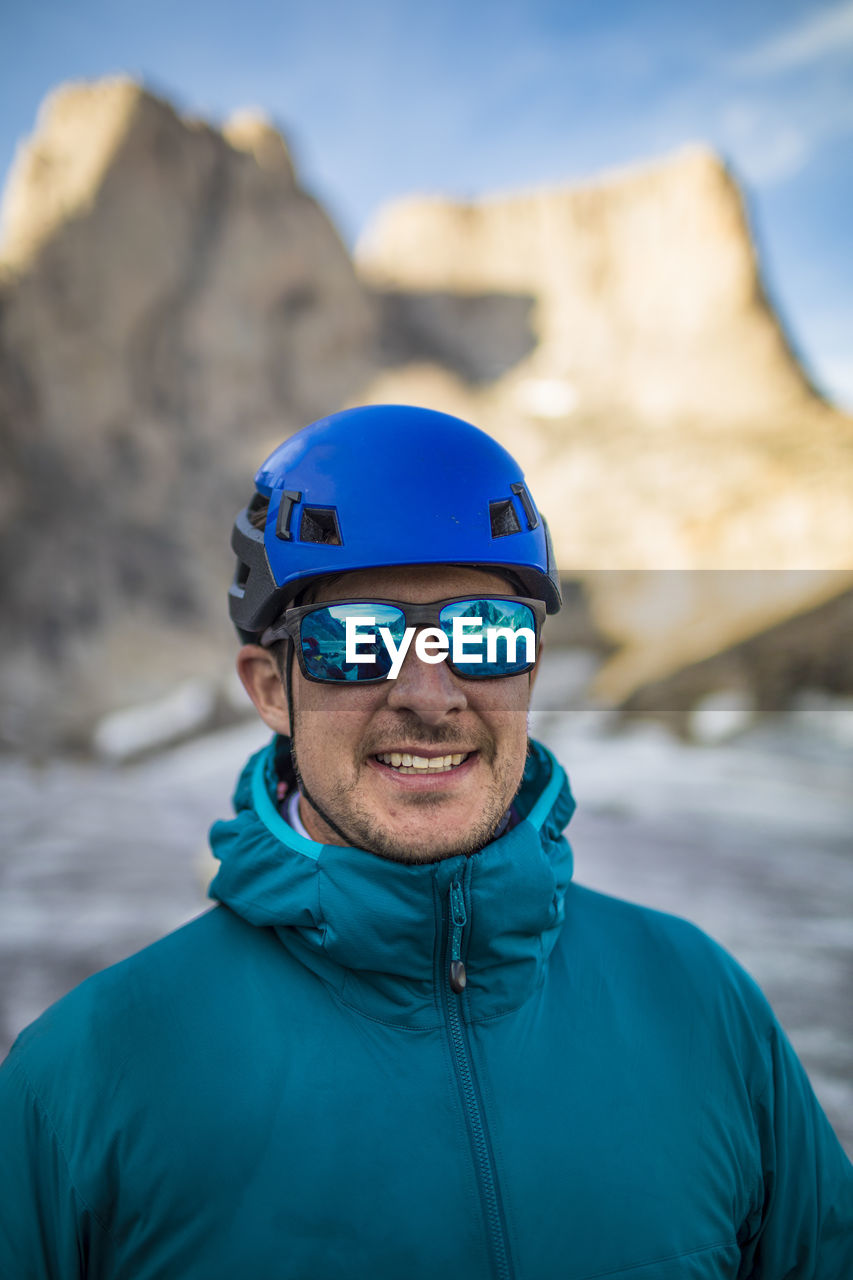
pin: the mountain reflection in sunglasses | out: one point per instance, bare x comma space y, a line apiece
365, 641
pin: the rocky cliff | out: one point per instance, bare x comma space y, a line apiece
647, 298
172, 304
654, 400
658, 403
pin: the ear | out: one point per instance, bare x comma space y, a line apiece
258, 670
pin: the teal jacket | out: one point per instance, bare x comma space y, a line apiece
290, 1087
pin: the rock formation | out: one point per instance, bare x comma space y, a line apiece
647, 296
171, 305
659, 409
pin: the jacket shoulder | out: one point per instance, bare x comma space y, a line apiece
631, 925
120, 1007
665, 961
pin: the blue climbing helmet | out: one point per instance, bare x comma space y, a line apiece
384, 485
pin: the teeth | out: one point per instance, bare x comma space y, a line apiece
407, 763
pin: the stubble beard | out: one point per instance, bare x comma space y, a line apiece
344, 812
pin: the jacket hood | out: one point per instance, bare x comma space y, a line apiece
377, 931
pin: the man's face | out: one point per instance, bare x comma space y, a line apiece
344, 734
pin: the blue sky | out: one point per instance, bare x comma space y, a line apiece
384, 97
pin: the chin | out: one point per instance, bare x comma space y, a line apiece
425, 846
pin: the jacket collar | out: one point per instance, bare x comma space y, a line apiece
376, 931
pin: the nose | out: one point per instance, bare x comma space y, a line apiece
430, 690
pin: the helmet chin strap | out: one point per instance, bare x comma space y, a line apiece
347, 840
288, 689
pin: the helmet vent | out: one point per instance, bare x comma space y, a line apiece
257, 511
503, 518
529, 509
320, 524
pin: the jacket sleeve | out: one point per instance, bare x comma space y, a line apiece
43, 1225
804, 1228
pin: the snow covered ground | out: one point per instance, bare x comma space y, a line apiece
752, 840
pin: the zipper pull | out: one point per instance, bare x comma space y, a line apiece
459, 918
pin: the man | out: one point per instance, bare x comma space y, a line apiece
405, 1044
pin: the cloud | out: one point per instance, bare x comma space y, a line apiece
772, 133
766, 149
825, 34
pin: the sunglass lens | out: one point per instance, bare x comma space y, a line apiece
326, 630
503, 643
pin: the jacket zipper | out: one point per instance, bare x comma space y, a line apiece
452, 989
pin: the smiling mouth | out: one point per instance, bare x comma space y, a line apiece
405, 762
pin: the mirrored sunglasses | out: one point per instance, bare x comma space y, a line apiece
365, 641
